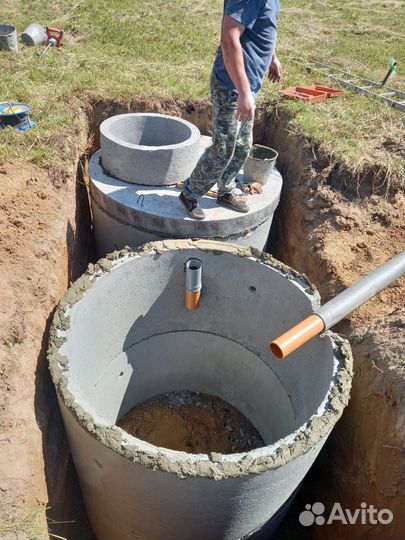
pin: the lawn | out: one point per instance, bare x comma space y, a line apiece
122, 49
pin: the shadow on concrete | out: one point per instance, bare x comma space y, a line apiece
155, 318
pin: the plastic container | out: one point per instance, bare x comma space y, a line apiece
35, 34
330, 92
8, 38
260, 163
15, 115
305, 93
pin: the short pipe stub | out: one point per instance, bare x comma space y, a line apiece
193, 283
297, 336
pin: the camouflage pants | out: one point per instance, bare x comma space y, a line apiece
231, 144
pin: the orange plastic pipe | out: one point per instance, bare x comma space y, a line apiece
192, 300
297, 336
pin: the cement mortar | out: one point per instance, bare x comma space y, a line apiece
133, 301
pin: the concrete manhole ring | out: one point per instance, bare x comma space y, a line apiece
148, 148
122, 335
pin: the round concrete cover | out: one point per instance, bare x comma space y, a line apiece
147, 148
158, 209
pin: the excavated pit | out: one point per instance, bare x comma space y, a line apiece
295, 162
198, 114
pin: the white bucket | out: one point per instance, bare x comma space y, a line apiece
35, 34
8, 38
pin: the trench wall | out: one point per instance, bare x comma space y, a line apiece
322, 216
44, 246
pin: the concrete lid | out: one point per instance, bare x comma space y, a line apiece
157, 208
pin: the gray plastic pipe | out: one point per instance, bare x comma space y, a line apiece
193, 283
339, 307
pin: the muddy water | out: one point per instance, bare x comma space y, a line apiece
191, 422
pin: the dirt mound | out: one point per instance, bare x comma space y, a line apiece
192, 422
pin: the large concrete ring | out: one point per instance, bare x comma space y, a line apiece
150, 149
122, 335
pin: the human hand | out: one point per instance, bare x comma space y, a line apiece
245, 107
276, 70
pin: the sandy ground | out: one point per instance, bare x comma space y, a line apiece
192, 422
39, 232
30, 246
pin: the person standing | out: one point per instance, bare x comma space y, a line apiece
246, 54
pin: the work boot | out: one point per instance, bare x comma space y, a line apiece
192, 206
233, 203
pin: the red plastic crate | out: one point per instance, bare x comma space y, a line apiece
306, 93
332, 92
311, 94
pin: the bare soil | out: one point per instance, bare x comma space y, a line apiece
42, 248
192, 422
331, 226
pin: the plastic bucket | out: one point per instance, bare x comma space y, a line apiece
8, 38
35, 34
14, 115
260, 163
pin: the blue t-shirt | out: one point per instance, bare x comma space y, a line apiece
258, 40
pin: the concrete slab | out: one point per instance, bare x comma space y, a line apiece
130, 214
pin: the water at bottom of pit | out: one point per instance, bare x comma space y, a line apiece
191, 422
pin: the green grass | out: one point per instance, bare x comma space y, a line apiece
121, 49
25, 525
360, 37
